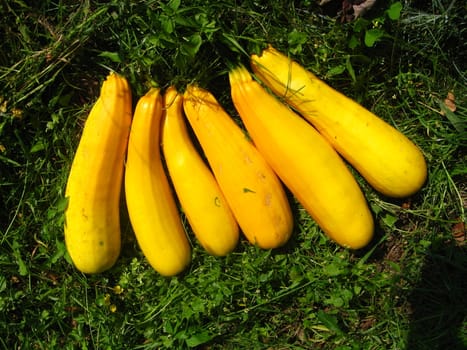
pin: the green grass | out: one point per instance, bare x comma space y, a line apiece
406, 290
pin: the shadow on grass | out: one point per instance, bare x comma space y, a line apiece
439, 301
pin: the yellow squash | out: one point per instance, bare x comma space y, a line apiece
253, 191
386, 158
201, 199
92, 218
151, 205
304, 161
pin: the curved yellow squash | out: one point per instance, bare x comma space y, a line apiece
386, 158
151, 204
304, 161
201, 199
252, 189
92, 218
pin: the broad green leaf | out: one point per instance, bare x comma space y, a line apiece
22, 268
353, 42
113, 56
60, 251
360, 24
153, 40
167, 24
389, 220
335, 300
456, 122
329, 321
349, 67
296, 39
174, 4
375, 208
38, 146
372, 36
191, 45
394, 11
167, 327
336, 70
62, 204
198, 339
332, 269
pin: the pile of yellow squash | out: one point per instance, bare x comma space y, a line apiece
301, 138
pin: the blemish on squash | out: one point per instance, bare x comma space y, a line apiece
248, 159
268, 199
217, 201
101, 243
262, 176
247, 190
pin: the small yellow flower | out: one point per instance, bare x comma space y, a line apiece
118, 290
107, 299
3, 106
17, 113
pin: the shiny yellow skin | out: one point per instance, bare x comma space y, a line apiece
201, 199
306, 163
92, 218
253, 191
387, 159
151, 204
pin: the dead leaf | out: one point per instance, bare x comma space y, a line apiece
367, 323
449, 101
448, 107
360, 7
458, 232
407, 205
